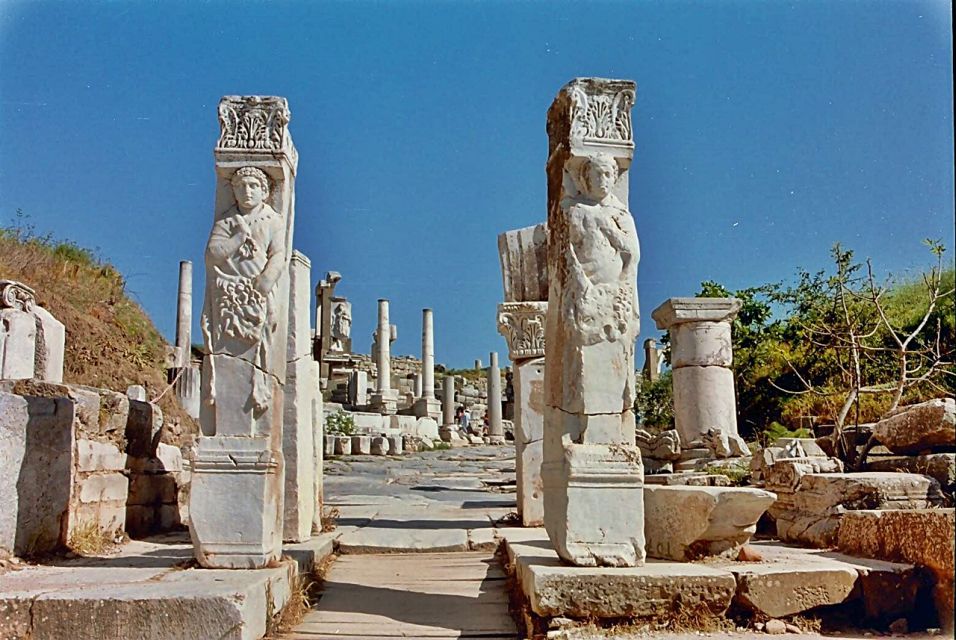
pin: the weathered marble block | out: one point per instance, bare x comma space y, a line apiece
812, 512
245, 321
36, 460
298, 447
920, 427
592, 472
361, 445
687, 523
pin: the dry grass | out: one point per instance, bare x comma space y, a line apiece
88, 539
330, 518
110, 341
298, 604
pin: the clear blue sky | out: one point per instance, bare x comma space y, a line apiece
765, 132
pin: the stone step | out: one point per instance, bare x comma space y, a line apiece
460, 595
145, 593
786, 581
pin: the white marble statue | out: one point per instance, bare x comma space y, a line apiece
246, 253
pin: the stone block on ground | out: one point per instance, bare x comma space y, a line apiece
939, 466
36, 472
343, 445
361, 445
924, 537
811, 514
789, 581
379, 446
919, 427
656, 589
686, 523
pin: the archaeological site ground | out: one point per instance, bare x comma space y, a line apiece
754, 456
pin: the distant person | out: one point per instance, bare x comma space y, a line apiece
465, 419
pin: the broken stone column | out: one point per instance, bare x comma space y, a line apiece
496, 430
448, 401
427, 406
298, 447
237, 471
32, 341
705, 406
385, 399
651, 361
184, 314
521, 319
592, 470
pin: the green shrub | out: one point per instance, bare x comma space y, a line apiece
340, 423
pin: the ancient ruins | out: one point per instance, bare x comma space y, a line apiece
395, 480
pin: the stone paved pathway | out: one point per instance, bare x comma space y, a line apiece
416, 535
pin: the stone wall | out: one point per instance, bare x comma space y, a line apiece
79, 459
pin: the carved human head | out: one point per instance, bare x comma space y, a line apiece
250, 186
598, 175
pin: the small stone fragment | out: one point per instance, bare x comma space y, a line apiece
775, 627
899, 626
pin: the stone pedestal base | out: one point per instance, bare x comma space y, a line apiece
385, 403
428, 408
235, 503
594, 505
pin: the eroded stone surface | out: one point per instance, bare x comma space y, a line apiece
925, 537
919, 427
592, 469
244, 323
686, 523
812, 512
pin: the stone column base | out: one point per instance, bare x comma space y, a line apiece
594, 505
235, 502
428, 408
496, 440
385, 403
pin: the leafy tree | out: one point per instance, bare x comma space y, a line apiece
654, 403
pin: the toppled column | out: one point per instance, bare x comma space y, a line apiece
521, 319
496, 430
32, 341
238, 460
427, 406
184, 314
298, 446
448, 401
592, 470
705, 406
385, 399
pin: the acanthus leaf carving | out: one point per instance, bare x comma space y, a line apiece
601, 116
522, 325
253, 123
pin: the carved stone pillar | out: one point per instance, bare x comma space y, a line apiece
237, 482
592, 470
522, 325
705, 405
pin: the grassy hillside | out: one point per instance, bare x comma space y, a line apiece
110, 341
